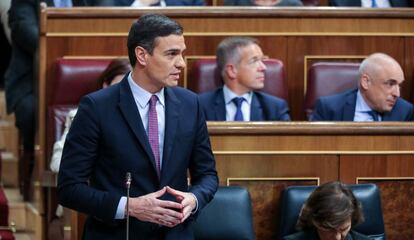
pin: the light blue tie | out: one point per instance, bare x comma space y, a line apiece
238, 101
374, 4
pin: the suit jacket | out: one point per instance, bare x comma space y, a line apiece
357, 3
341, 107
312, 235
167, 2
24, 26
264, 107
282, 3
107, 139
20, 77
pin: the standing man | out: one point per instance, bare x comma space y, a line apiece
147, 126
240, 63
377, 97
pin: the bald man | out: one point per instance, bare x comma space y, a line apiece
377, 97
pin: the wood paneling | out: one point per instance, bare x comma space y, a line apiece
396, 201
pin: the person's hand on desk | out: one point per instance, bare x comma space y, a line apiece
187, 200
149, 208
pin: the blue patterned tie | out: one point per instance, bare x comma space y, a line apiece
238, 102
374, 4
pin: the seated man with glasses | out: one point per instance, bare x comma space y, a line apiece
329, 214
377, 97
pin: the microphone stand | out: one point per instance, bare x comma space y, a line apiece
128, 185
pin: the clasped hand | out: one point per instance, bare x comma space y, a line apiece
150, 208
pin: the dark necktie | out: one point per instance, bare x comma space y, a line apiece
239, 114
153, 131
374, 4
375, 115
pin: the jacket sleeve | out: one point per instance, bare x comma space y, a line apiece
80, 156
24, 25
204, 180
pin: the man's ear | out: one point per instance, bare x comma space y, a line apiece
140, 54
364, 81
231, 71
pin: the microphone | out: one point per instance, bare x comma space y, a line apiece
128, 185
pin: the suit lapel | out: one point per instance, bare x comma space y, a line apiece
220, 106
129, 110
349, 108
256, 111
172, 109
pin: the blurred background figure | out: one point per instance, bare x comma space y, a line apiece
329, 214
5, 39
113, 74
162, 3
21, 76
369, 3
277, 3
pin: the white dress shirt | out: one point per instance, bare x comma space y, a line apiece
380, 3
231, 107
362, 110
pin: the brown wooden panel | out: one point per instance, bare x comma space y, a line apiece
354, 166
269, 166
396, 199
265, 195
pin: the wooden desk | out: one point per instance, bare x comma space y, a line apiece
267, 157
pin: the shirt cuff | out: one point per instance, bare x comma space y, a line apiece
120, 211
196, 208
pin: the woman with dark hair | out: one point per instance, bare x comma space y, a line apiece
113, 74
329, 214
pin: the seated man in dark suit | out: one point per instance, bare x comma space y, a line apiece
376, 99
239, 61
277, 3
369, 3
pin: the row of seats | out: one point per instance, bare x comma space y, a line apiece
79, 75
216, 220
324, 79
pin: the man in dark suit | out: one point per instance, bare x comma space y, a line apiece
240, 63
163, 3
147, 126
376, 99
277, 3
377, 3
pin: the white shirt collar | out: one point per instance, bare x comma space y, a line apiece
229, 95
361, 105
142, 96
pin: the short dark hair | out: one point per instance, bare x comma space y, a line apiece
146, 29
330, 206
228, 51
118, 66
